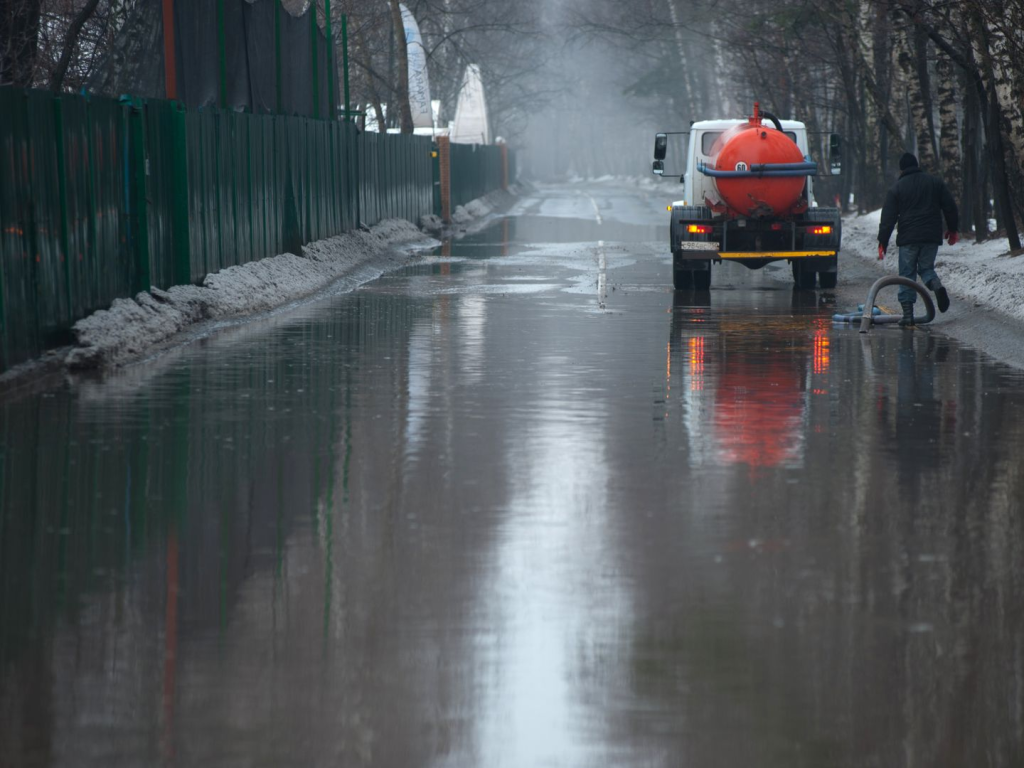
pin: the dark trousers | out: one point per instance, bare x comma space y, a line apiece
918, 259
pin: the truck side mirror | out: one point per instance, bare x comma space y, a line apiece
658, 167
835, 154
660, 146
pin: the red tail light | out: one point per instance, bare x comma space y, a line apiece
823, 230
699, 229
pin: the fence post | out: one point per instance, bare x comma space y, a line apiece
444, 160
504, 166
180, 242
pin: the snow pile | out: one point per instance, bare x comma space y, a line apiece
131, 326
983, 273
481, 207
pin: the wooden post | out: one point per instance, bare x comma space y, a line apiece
444, 157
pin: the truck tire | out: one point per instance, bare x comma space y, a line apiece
828, 278
682, 279
803, 278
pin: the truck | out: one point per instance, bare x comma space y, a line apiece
748, 197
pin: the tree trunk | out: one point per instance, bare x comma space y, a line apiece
1008, 93
924, 78
882, 56
919, 118
979, 71
974, 183
994, 145
70, 43
404, 110
949, 133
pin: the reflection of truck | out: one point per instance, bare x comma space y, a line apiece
748, 390
748, 197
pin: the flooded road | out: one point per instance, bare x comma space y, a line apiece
520, 504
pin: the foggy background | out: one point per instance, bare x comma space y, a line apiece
579, 87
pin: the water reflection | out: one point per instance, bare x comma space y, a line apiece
406, 527
746, 381
848, 609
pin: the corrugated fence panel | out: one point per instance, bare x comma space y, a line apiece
20, 337
109, 265
475, 171
50, 277
160, 192
218, 189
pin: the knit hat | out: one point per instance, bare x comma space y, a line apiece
907, 161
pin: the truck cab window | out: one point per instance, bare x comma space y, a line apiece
707, 140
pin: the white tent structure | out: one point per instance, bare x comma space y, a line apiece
471, 125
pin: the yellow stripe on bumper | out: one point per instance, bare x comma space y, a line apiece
774, 254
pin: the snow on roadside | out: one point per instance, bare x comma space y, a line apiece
981, 273
132, 326
472, 212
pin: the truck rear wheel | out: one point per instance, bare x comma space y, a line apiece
802, 277
702, 279
828, 279
682, 279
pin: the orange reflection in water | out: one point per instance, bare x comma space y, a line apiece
821, 351
696, 363
759, 414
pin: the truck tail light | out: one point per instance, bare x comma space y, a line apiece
699, 229
822, 230
776, 226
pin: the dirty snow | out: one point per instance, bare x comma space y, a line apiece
132, 326
980, 273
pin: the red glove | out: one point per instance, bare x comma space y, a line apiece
881, 251
952, 237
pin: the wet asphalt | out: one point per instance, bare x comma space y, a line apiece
521, 504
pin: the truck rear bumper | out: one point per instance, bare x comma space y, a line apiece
710, 250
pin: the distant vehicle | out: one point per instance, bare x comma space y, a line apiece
748, 197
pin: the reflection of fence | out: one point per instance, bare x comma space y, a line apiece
100, 199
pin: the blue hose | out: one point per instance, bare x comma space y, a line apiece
867, 319
760, 170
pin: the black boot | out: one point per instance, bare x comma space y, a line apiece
941, 297
908, 313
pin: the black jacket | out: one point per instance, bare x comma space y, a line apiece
918, 201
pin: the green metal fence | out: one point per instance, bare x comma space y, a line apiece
100, 198
475, 170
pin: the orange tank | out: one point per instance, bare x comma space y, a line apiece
756, 191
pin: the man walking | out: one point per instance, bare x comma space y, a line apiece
918, 202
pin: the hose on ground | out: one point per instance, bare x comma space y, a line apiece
869, 318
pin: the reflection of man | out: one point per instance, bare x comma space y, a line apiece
918, 413
918, 202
